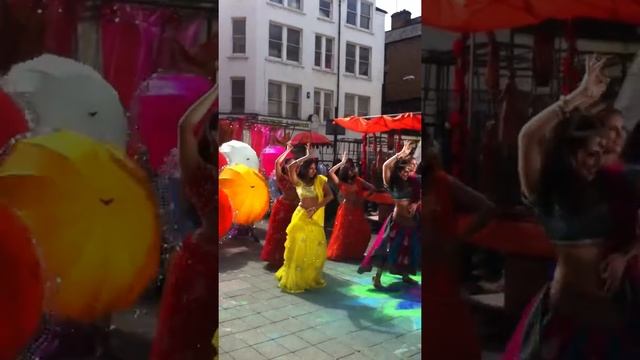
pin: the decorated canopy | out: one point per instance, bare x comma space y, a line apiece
476, 16
383, 123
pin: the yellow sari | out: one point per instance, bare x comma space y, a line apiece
305, 249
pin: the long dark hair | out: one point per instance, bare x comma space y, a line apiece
303, 171
344, 173
631, 152
396, 183
208, 141
559, 183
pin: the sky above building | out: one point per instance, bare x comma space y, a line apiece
392, 6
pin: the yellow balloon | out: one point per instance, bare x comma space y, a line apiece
248, 193
93, 216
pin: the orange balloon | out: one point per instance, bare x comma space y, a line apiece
21, 285
248, 193
225, 214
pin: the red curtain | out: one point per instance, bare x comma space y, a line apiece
260, 136
137, 41
478, 16
29, 28
129, 38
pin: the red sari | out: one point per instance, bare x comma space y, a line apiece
448, 326
351, 233
273, 249
188, 315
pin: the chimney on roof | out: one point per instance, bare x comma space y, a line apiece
400, 19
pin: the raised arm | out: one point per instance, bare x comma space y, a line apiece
281, 159
388, 165
293, 167
534, 134
332, 171
187, 141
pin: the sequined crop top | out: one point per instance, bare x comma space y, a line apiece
592, 226
597, 222
306, 191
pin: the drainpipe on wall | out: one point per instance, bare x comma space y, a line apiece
338, 62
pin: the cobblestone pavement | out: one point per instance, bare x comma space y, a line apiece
347, 319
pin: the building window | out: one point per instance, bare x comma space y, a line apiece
237, 95
325, 9
290, 107
352, 12
359, 13
278, 37
324, 52
323, 104
356, 105
360, 56
239, 36
365, 15
294, 4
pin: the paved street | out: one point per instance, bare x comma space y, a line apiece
348, 319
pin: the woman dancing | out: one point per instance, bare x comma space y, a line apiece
397, 248
351, 233
575, 316
306, 245
285, 205
188, 315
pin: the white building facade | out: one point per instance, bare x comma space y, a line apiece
279, 60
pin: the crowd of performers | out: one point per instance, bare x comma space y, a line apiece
296, 245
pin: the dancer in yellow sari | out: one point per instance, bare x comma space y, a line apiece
305, 249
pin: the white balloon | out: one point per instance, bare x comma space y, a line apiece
61, 93
238, 152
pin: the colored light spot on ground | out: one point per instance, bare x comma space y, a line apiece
399, 301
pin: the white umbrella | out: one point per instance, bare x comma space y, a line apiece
60, 93
628, 100
238, 152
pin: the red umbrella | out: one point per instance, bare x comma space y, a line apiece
22, 289
310, 137
12, 119
222, 161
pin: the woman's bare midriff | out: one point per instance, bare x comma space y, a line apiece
309, 202
577, 287
400, 213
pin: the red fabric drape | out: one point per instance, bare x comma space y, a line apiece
137, 41
29, 28
260, 135
61, 27
238, 130
129, 36
364, 160
383, 123
456, 119
477, 16
570, 75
